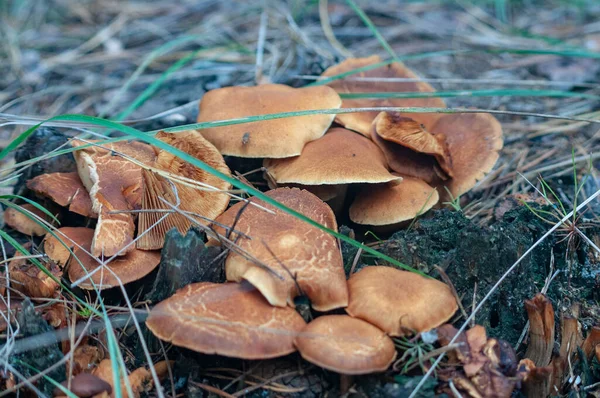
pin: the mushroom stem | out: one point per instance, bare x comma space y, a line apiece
337, 202
345, 383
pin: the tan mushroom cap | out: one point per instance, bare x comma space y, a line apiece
70, 237
128, 268
228, 319
288, 246
346, 345
27, 278
474, 140
399, 302
394, 202
339, 157
203, 202
23, 222
65, 189
114, 184
390, 130
277, 138
361, 121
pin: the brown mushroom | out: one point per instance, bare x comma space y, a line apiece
392, 203
30, 280
203, 203
277, 138
345, 345
410, 149
114, 183
85, 385
125, 269
399, 302
228, 319
65, 189
361, 121
25, 220
57, 247
473, 140
294, 256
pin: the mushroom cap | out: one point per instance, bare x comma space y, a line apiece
128, 268
287, 246
361, 121
24, 223
339, 157
399, 301
393, 202
86, 385
65, 189
31, 281
389, 130
228, 319
277, 138
202, 202
346, 345
474, 140
71, 237
114, 184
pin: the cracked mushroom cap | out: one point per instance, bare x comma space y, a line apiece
474, 141
128, 268
399, 302
346, 345
410, 149
285, 247
339, 157
361, 121
65, 189
204, 202
114, 184
393, 203
22, 221
277, 138
228, 319
55, 247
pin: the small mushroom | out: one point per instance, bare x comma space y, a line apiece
55, 247
346, 345
393, 203
228, 319
361, 121
473, 140
410, 149
128, 268
399, 302
338, 158
23, 222
65, 189
277, 138
86, 385
28, 279
115, 184
295, 257
202, 203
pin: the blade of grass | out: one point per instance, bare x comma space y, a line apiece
471, 93
34, 204
367, 21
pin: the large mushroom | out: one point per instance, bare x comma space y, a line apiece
399, 302
367, 82
277, 138
199, 193
228, 319
294, 257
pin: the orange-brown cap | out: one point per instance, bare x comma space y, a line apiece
206, 202
277, 138
115, 184
390, 130
228, 319
392, 203
20, 220
293, 253
474, 140
128, 268
55, 247
345, 345
66, 189
361, 121
399, 302
339, 157
30, 280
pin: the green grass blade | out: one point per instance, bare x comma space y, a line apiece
34, 204
471, 93
367, 21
